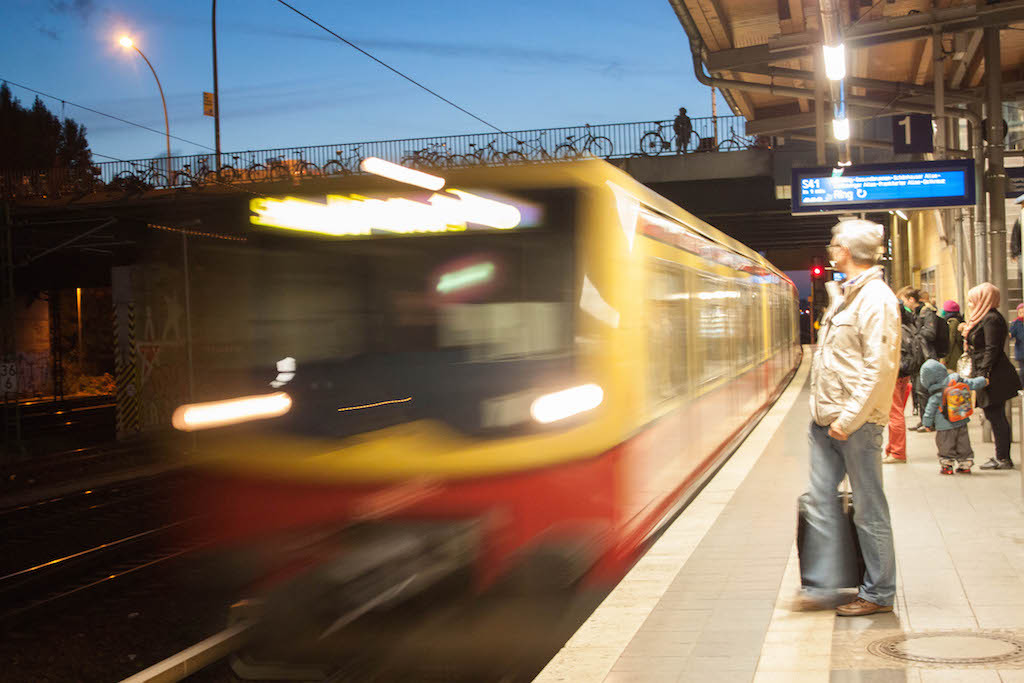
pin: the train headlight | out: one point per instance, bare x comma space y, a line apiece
566, 403
189, 418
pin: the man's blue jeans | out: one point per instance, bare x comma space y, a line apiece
860, 456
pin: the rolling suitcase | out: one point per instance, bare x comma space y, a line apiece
815, 548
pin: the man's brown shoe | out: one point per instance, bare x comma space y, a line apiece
861, 608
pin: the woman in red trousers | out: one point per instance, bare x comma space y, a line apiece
911, 358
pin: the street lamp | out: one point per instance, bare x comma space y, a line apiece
216, 92
127, 42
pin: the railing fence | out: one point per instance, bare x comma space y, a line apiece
615, 140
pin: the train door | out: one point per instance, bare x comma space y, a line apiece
752, 379
714, 347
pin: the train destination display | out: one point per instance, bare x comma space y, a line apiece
871, 187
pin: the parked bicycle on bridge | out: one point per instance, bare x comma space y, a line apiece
344, 165
576, 146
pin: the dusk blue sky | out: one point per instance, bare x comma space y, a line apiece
284, 82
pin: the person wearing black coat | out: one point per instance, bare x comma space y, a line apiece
924, 337
986, 336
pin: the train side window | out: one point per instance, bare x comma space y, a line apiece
758, 322
714, 330
667, 313
751, 317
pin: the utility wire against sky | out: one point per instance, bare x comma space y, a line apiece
109, 116
399, 73
313, 21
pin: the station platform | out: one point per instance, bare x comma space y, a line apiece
716, 597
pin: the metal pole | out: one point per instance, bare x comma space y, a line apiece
188, 312
714, 115
216, 90
967, 242
819, 110
10, 335
899, 275
958, 247
811, 306
167, 122
940, 93
996, 170
980, 206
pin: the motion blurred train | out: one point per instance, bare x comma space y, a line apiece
518, 378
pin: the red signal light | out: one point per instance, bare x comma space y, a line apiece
817, 271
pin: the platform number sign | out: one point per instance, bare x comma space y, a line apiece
912, 134
8, 378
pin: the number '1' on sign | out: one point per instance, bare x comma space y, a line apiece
912, 134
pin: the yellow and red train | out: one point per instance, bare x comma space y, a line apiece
553, 357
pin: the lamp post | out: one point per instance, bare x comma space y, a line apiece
129, 43
216, 92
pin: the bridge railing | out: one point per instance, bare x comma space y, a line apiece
614, 140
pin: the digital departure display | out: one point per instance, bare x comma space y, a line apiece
870, 187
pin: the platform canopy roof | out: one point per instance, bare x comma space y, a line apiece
763, 53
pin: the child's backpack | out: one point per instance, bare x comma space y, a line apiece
956, 401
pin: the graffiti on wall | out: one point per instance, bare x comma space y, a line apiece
151, 296
35, 373
163, 378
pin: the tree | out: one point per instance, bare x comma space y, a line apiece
36, 139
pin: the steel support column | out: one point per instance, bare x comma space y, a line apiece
819, 110
996, 170
939, 70
899, 272
8, 334
980, 231
959, 262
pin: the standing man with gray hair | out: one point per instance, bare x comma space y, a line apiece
852, 378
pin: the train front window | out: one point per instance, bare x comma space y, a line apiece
454, 321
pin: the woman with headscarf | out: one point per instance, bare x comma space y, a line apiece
1017, 332
985, 332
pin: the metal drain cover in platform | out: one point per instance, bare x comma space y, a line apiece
951, 647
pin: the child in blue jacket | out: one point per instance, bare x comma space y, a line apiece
950, 437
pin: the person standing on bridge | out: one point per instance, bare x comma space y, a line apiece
853, 375
684, 130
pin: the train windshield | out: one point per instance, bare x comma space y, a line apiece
418, 324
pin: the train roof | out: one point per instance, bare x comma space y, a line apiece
596, 173
226, 205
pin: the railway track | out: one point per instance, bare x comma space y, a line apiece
85, 517
79, 414
61, 577
64, 545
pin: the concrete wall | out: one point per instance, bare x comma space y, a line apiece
698, 166
931, 253
32, 339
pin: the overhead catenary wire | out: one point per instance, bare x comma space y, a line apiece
399, 73
101, 113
